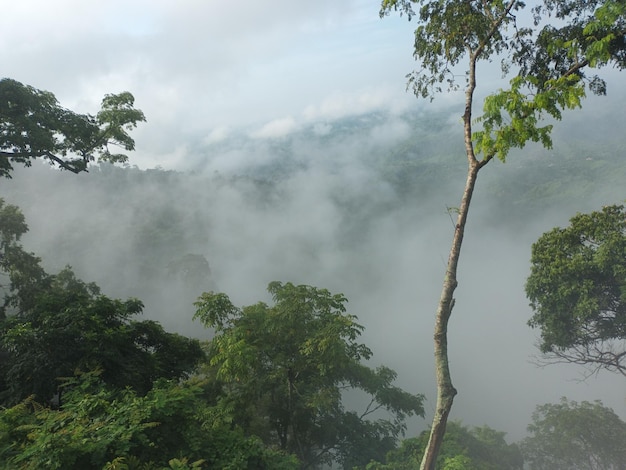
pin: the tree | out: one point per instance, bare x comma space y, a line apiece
34, 125
59, 324
577, 289
572, 436
481, 448
74, 327
22, 269
190, 272
283, 370
548, 67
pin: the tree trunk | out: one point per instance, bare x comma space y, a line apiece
445, 390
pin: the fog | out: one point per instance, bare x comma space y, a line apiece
358, 205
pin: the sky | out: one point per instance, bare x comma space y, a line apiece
208, 68
205, 71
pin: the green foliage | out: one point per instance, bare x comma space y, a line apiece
283, 370
73, 327
572, 436
33, 125
99, 427
132, 463
550, 61
591, 34
22, 268
481, 448
61, 324
448, 32
406, 457
577, 289
552, 71
512, 117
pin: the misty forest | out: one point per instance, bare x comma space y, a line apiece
272, 304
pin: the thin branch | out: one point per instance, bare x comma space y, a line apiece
496, 23
63, 164
594, 356
576, 67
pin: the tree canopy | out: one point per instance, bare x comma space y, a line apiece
283, 370
84, 384
480, 448
575, 436
577, 289
59, 324
33, 125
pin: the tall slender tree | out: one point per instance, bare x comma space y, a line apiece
547, 62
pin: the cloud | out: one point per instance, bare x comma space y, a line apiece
194, 66
322, 128
218, 134
276, 128
349, 103
394, 130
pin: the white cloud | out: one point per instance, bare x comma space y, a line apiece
196, 65
276, 128
394, 130
347, 103
217, 134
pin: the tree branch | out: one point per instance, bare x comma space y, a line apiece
593, 356
65, 165
62, 163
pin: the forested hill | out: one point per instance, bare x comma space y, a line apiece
259, 208
418, 153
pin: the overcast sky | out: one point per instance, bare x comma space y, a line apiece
208, 67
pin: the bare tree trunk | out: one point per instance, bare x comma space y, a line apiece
445, 390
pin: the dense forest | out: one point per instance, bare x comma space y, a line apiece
121, 351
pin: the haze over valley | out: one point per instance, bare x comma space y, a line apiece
362, 206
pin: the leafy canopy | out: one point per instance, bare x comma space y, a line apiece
577, 289
283, 371
98, 427
550, 62
480, 448
34, 125
21, 269
572, 436
58, 324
